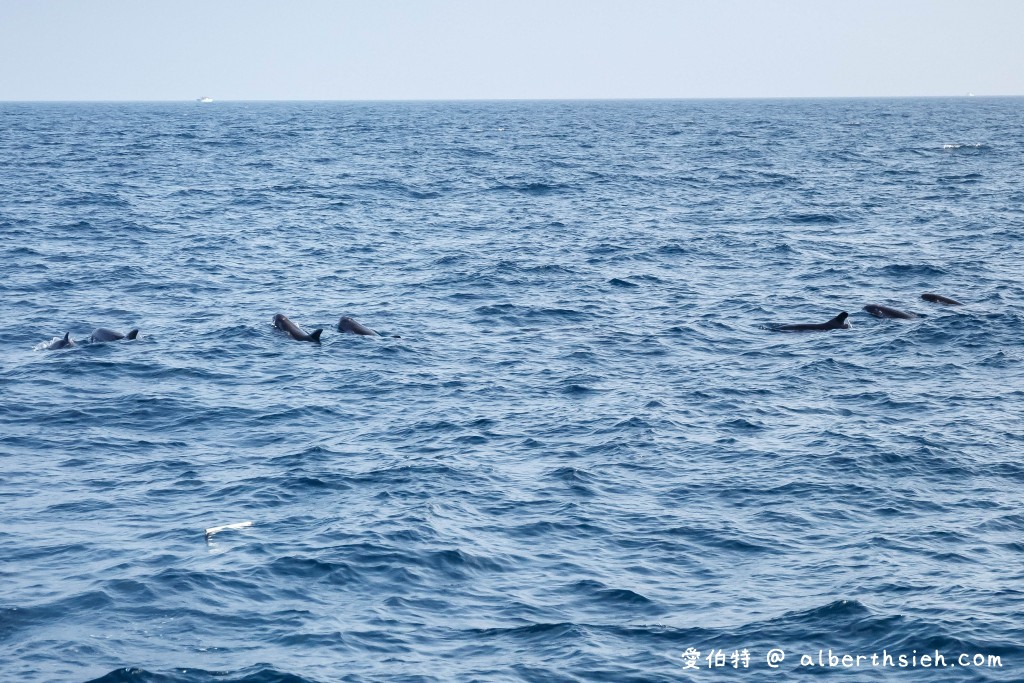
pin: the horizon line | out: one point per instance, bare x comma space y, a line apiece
515, 99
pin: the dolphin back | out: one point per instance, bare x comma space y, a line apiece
104, 334
347, 324
939, 299
282, 323
837, 323
880, 311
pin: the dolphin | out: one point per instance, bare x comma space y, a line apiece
284, 324
938, 299
64, 343
347, 324
837, 323
880, 311
104, 334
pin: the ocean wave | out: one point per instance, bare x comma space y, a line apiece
583, 452
904, 270
536, 188
953, 146
260, 673
811, 219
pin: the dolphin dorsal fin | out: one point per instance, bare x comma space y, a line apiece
839, 320
315, 334
133, 334
67, 336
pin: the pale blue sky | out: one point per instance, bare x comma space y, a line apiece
462, 49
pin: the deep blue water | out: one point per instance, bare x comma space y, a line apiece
576, 450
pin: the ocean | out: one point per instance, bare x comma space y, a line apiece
576, 451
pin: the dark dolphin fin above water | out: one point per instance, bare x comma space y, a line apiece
132, 335
837, 323
880, 311
282, 323
347, 324
939, 299
64, 343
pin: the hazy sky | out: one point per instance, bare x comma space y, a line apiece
458, 49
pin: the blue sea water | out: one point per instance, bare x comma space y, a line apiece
577, 449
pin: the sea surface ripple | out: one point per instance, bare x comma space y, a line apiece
577, 449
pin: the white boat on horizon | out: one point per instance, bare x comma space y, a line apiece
205, 100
